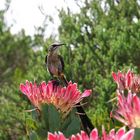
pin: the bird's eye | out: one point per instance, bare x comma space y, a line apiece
54, 47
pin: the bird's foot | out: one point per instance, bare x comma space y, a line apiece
56, 83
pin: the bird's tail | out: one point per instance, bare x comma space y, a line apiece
86, 122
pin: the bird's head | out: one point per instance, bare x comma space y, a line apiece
54, 47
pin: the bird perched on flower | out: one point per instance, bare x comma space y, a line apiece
55, 66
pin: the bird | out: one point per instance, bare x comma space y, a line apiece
55, 62
55, 66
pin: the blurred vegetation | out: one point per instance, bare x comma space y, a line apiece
103, 37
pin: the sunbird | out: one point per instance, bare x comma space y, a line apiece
55, 62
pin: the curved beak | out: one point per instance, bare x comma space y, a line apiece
59, 45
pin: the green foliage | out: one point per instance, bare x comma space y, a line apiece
12, 121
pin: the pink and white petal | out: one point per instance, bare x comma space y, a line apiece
120, 133
94, 134
129, 76
84, 136
73, 137
104, 135
119, 118
114, 75
23, 88
136, 104
112, 133
61, 136
86, 93
51, 136
128, 136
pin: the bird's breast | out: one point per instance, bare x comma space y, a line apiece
53, 64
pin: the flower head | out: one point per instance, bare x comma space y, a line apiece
129, 81
128, 110
63, 98
123, 80
119, 135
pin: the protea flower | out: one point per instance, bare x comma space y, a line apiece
123, 80
128, 110
129, 81
63, 98
119, 135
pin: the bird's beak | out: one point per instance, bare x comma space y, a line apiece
59, 45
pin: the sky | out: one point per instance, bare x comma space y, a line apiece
26, 14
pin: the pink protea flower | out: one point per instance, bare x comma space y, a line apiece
119, 135
123, 80
63, 98
129, 81
128, 110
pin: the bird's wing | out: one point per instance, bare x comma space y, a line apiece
46, 59
62, 63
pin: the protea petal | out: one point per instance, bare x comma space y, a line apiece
112, 133
86, 93
129, 135
23, 88
120, 133
94, 134
84, 136
114, 75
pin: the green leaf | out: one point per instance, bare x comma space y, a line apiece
71, 124
137, 134
51, 117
